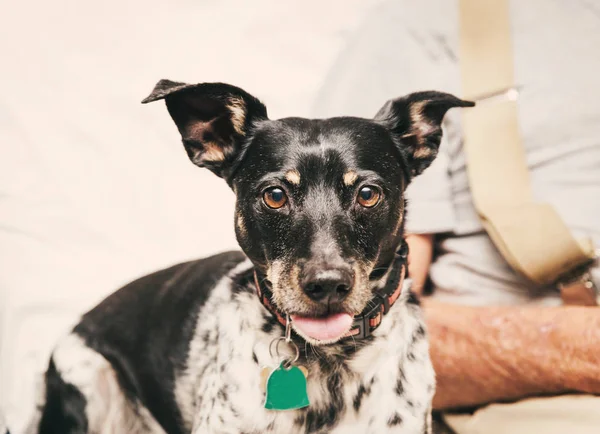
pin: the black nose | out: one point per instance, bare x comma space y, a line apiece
329, 286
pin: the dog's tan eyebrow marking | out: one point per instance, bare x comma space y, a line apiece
293, 176
350, 178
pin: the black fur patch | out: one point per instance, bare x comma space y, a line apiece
400, 384
363, 391
269, 322
64, 412
164, 305
420, 332
328, 417
300, 419
413, 299
396, 419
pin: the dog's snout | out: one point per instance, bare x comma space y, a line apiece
328, 286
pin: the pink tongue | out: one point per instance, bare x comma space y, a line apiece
329, 328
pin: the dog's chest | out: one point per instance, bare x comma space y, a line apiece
377, 389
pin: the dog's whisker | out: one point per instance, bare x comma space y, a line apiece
315, 351
354, 343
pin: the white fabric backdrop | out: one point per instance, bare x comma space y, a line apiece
95, 188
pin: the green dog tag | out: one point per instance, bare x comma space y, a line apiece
286, 389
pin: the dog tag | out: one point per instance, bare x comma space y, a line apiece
286, 389
264, 376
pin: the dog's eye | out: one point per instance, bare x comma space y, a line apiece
274, 197
368, 196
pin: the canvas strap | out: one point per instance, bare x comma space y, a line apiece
530, 235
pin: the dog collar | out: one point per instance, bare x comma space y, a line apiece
370, 318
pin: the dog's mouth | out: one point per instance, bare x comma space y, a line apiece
324, 329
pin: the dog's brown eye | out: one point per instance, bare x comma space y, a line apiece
274, 197
368, 196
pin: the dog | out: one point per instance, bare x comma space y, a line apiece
320, 287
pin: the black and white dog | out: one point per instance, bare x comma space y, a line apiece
319, 216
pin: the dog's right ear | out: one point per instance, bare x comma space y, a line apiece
213, 119
415, 122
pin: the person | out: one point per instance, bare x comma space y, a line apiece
494, 336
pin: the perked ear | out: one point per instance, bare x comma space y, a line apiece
213, 119
415, 121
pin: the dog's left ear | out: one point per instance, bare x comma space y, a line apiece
415, 122
213, 119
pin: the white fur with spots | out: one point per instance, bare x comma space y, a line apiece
219, 390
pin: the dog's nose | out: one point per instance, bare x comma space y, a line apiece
329, 286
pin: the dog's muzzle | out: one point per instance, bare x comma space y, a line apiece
369, 320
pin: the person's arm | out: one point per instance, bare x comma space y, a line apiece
490, 354
420, 248
430, 211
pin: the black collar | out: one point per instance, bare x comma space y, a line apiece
370, 318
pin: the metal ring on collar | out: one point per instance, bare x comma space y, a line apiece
287, 362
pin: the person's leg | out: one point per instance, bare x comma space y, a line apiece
553, 415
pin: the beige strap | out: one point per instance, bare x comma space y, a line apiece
531, 236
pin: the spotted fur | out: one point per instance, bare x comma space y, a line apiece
368, 386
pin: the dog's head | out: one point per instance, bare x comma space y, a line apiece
319, 203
